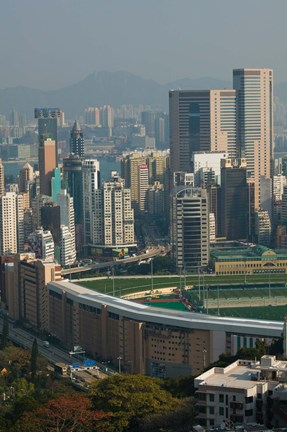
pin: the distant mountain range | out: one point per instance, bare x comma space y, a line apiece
112, 88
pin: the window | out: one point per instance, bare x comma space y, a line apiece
221, 398
211, 398
221, 411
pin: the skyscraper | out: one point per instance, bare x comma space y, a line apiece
234, 200
91, 182
2, 178
143, 185
190, 228
114, 217
73, 182
47, 124
77, 140
201, 121
11, 223
47, 164
255, 122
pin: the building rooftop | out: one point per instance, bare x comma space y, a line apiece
245, 374
247, 253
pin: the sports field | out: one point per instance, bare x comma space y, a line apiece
122, 286
236, 293
273, 313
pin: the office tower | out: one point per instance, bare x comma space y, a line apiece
201, 121
26, 177
67, 225
91, 182
28, 295
255, 122
2, 179
114, 216
47, 125
47, 164
73, 183
203, 162
143, 185
11, 223
262, 227
234, 202
190, 228
77, 140
155, 200
42, 244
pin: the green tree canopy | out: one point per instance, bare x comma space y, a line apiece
130, 398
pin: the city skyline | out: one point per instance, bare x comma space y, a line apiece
163, 41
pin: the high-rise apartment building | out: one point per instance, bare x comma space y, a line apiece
67, 220
92, 116
143, 184
201, 121
42, 244
157, 163
28, 300
255, 138
77, 140
11, 223
47, 125
2, 178
91, 183
114, 217
190, 228
47, 164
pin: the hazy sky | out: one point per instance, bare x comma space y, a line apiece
52, 43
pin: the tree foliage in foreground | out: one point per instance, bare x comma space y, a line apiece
130, 398
65, 414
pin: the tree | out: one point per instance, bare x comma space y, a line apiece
5, 332
179, 419
65, 414
34, 357
130, 398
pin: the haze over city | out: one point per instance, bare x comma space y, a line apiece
48, 45
143, 215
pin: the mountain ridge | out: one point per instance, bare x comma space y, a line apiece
107, 88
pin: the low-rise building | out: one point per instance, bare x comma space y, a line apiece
244, 392
248, 260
